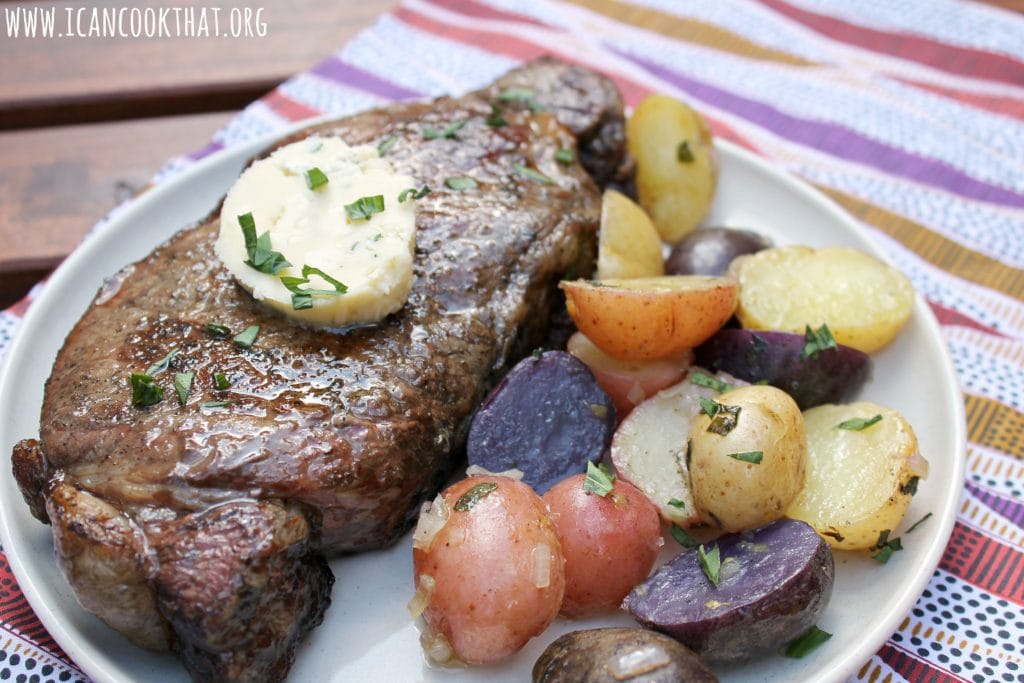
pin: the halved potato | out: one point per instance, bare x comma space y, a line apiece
859, 482
864, 301
676, 170
648, 318
629, 244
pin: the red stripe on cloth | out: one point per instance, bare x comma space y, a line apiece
525, 50
913, 669
955, 59
17, 613
287, 107
475, 9
1006, 106
985, 562
948, 316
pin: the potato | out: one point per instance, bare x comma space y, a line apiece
619, 655
864, 301
628, 244
547, 418
627, 383
825, 376
676, 170
859, 482
709, 251
649, 448
488, 570
747, 462
772, 586
609, 542
650, 318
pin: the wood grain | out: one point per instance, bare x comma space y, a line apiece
55, 183
56, 81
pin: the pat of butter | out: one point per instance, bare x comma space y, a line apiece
310, 227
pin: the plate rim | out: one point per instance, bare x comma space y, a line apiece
69, 638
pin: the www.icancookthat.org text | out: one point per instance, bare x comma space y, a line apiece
134, 22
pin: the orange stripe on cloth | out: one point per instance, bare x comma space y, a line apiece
689, 30
994, 425
934, 248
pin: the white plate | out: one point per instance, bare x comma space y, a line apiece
367, 634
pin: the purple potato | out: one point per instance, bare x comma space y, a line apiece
774, 583
828, 376
619, 655
548, 418
709, 251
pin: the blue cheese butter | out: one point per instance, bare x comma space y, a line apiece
299, 196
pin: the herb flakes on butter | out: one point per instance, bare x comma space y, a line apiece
300, 200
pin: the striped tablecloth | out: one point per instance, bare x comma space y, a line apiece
908, 113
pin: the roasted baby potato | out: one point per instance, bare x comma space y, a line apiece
650, 318
488, 569
772, 585
747, 458
781, 359
649, 448
676, 171
709, 251
547, 418
610, 542
627, 382
863, 467
864, 301
628, 244
619, 655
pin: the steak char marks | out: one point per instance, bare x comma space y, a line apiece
204, 530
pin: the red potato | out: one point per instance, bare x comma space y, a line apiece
488, 569
610, 543
647, 318
628, 383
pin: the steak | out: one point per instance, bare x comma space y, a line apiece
204, 529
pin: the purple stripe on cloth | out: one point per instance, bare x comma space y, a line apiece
836, 140
205, 151
1010, 509
338, 71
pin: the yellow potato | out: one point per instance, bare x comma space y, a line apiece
859, 482
648, 318
676, 170
629, 244
864, 301
747, 465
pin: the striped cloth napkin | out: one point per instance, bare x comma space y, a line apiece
908, 113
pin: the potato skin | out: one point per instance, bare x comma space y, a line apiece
878, 466
610, 543
780, 582
486, 603
650, 318
828, 376
734, 495
677, 194
619, 655
710, 251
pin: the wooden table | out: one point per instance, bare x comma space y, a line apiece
85, 122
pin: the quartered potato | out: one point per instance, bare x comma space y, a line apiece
628, 244
864, 301
648, 318
863, 468
676, 171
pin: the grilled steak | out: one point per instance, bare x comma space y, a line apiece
203, 529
